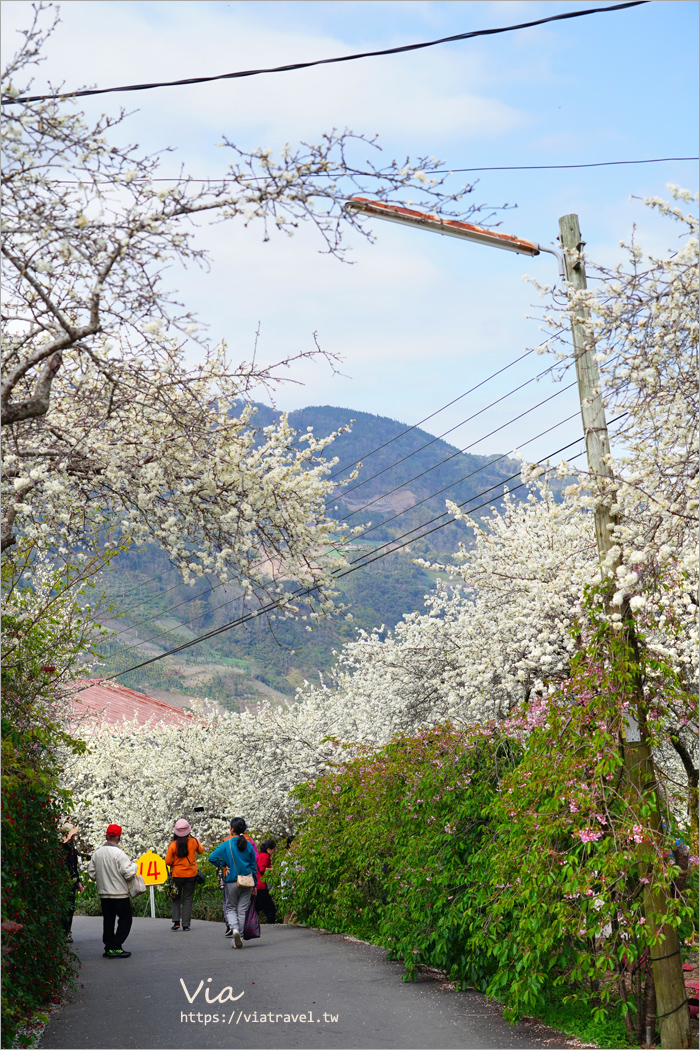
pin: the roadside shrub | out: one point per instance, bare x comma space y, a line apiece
35, 887
524, 859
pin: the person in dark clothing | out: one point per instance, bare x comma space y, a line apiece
70, 832
264, 900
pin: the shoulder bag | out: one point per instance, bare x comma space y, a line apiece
242, 880
171, 890
252, 922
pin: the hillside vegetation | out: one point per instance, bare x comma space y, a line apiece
403, 483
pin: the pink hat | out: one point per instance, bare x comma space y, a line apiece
182, 827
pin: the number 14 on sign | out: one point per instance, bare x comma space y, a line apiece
153, 871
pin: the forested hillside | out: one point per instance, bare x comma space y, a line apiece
405, 477
402, 485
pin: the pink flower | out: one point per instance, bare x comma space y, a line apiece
589, 836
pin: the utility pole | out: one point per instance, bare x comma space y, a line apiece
672, 1010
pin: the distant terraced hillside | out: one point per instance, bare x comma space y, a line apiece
405, 483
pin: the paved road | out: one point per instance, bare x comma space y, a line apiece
293, 988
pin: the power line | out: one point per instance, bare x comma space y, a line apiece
562, 390
501, 481
353, 568
365, 532
324, 61
459, 451
549, 167
149, 619
394, 543
360, 562
449, 404
178, 179
342, 470
466, 477
151, 597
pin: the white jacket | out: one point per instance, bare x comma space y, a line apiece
110, 868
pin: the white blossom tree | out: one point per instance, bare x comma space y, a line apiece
499, 631
107, 422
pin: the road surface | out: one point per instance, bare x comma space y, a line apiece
293, 988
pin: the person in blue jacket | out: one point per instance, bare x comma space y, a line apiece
238, 855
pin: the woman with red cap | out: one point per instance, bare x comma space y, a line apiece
180, 858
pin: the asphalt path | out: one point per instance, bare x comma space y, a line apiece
293, 988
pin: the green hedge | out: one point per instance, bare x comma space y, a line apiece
467, 852
35, 888
207, 899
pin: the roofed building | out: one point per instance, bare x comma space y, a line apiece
113, 704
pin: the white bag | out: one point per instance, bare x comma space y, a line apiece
136, 885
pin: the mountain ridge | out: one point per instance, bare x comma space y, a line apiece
404, 470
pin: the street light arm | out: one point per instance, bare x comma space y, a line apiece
447, 227
558, 256
451, 228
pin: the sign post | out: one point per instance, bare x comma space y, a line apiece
153, 871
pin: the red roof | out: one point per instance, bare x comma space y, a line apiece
116, 704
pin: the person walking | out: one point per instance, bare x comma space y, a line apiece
237, 854
263, 900
180, 858
111, 869
70, 832
223, 871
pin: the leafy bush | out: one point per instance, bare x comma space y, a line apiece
35, 888
523, 859
44, 634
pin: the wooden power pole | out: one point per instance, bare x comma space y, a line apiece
672, 1012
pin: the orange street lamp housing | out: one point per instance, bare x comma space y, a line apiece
422, 220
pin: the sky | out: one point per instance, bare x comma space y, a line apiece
418, 319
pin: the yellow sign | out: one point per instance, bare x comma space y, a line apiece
152, 869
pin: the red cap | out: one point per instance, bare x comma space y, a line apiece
114, 829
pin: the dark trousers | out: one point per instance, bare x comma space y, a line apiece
185, 895
115, 908
265, 904
68, 917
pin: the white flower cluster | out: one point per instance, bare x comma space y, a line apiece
109, 428
497, 630
498, 634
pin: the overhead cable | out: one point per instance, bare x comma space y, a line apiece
144, 583
501, 481
309, 590
359, 564
8, 100
365, 532
453, 484
365, 456
457, 452
437, 412
177, 179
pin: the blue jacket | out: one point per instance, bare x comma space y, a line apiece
242, 863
